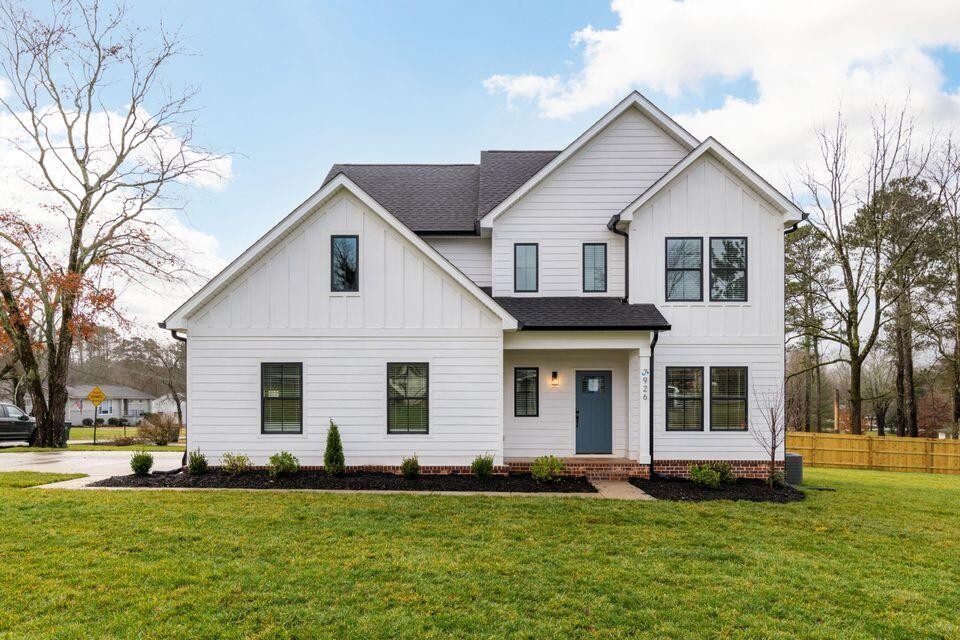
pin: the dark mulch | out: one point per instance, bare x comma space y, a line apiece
352, 481
680, 489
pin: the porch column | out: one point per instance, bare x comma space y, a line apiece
638, 413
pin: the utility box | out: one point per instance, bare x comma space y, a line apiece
793, 468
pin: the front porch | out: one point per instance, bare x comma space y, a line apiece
593, 467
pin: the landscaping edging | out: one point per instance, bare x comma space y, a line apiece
751, 490
363, 481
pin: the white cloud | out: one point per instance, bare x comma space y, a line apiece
805, 58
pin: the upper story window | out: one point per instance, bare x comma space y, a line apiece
594, 267
525, 260
281, 393
728, 269
344, 263
684, 262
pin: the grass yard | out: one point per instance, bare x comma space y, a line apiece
93, 447
105, 433
878, 558
22, 479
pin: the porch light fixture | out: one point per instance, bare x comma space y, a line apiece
554, 379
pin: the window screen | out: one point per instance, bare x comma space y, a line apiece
684, 398
407, 397
728, 398
526, 392
728, 269
281, 392
594, 267
344, 263
525, 267
684, 262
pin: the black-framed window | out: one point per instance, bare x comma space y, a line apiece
525, 260
526, 392
728, 269
728, 398
281, 397
684, 398
344, 263
408, 397
684, 269
594, 267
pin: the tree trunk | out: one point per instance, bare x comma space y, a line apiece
807, 384
856, 398
900, 414
909, 388
881, 414
818, 386
20, 393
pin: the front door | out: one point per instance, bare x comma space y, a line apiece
594, 412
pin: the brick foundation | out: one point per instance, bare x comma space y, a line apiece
741, 468
434, 470
593, 469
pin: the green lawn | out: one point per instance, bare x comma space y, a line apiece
21, 479
93, 447
878, 558
104, 433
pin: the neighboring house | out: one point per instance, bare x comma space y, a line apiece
614, 302
122, 402
166, 404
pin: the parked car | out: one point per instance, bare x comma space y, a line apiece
16, 425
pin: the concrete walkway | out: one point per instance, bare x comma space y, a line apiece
96, 464
619, 490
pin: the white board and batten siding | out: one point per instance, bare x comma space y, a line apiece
708, 201
573, 205
470, 254
281, 309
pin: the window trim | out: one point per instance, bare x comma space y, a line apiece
667, 269
333, 239
536, 262
583, 266
426, 399
746, 268
745, 398
536, 388
263, 399
666, 399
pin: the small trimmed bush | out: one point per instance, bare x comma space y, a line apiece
125, 441
482, 466
333, 460
141, 462
547, 468
197, 463
98, 421
160, 429
283, 464
113, 422
235, 464
705, 475
87, 422
410, 467
725, 472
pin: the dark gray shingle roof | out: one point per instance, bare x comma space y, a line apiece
576, 313
109, 390
445, 198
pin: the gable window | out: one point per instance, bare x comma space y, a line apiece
525, 267
407, 397
728, 269
728, 398
281, 397
684, 262
684, 398
344, 263
594, 267
526, 392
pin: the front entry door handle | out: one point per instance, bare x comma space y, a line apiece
578, 418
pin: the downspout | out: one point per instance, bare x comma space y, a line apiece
612, 225
653, 345
173, 332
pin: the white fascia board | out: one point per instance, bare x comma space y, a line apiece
178, 319
633, 101
791, 213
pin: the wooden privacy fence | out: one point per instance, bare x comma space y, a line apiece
888, 453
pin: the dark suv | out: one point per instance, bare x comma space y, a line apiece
15, 424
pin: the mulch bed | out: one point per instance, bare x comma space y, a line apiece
680, 489
352, 481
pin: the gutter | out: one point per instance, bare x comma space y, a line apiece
653, 345
796, 226
186, 446
612, 226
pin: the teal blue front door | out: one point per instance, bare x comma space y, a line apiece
594, 412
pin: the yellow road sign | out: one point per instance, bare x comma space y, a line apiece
96, 396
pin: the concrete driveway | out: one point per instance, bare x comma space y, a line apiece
96, 464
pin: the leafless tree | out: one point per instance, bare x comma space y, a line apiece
771, 432
107, 144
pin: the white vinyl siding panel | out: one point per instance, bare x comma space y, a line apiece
574, 204
470, 255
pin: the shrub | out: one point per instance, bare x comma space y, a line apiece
87, 422
197, 463
333, 461
159, 428
725, 472
410, 467
235, 464
125, 441
123, 422
141, 462
113, 422
98, 421
778, 479
482, 466
547, 468
283, 464
705, 475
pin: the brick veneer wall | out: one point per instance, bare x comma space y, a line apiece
741, 468
593, 470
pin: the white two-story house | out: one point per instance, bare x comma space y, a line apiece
617, 303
